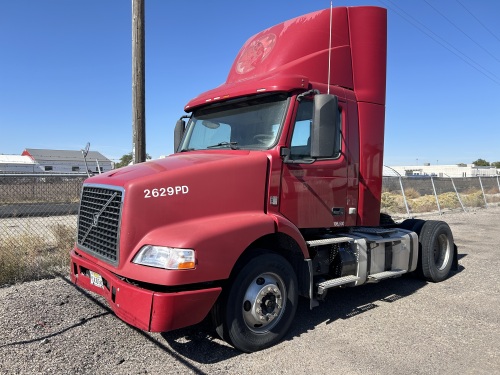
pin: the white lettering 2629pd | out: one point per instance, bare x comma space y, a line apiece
166, 191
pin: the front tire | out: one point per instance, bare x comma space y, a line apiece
437, 250
260, 304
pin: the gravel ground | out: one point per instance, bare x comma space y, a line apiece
399, 326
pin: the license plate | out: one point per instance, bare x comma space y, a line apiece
96, 279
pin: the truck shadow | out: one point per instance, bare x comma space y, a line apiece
200, 343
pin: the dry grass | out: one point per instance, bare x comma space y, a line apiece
393, 203
474, 199
492, 190
27, 257
411, 193
493, 198
449, 200
427, 203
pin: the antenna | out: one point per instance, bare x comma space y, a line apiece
98, 166
85, 151
330, 47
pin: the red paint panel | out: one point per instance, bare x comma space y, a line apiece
371, 141
145, 309
271, 82
368, 33
283, 225
311, 191
132, 304
218, 241
217, 183
288, 45
176, 310
296, 48
353, 160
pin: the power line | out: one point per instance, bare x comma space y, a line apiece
424, 29
459, 29
478, 20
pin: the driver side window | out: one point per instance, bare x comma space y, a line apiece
300, 147
301, 137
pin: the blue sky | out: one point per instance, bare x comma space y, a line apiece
65, 72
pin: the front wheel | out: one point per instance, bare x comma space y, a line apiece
259, 306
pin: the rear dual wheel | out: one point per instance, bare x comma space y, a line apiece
436, 248
259, 304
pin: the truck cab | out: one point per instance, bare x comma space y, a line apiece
273, 192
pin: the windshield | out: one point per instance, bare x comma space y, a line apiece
247, 123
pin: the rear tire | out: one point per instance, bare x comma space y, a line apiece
436, 250
259, 305
386, 220
415, 225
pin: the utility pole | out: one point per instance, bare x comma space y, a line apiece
138, 83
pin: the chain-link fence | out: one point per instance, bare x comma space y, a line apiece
411, 196
38, 214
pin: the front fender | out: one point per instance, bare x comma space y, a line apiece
218, 242
283, 225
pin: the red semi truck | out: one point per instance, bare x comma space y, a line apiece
273, 193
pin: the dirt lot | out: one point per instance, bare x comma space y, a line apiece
400, 326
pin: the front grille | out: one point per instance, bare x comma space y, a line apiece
99, 221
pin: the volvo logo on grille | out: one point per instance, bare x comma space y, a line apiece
95, 219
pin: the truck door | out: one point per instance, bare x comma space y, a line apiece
313, 192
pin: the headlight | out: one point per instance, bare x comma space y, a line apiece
165, 257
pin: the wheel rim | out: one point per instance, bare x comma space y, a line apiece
442, 251
264, 302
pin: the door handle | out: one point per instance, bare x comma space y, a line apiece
336, 211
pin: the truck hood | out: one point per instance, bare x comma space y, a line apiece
186, 187
171, 163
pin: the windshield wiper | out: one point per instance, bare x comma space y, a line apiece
225, 144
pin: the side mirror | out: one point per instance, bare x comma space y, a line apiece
180, 127
325, 126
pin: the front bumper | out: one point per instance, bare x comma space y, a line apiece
143, 308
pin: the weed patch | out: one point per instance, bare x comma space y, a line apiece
27, 257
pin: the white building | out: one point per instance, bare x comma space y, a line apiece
68, 161
18, 164
54, 161
456, 170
